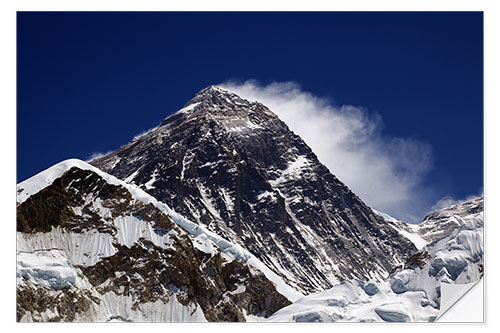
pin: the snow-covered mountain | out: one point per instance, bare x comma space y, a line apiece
412, 292
256, 222
91, 247
233, 166
437, 224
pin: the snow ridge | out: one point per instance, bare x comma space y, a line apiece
45, 178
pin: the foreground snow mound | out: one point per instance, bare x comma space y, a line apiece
358, 301
412, 292
89, 239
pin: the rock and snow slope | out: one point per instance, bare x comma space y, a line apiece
437, 224
94, 248
412, 292
233, 166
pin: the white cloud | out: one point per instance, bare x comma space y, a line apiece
445, 202
144, 133
95, 155
386, 172
448, 201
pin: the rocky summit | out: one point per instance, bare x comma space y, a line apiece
233, 166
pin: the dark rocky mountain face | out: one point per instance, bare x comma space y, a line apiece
89, 250
233, 166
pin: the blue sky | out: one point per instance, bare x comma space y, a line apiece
89, 82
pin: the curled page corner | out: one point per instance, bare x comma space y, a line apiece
453, 299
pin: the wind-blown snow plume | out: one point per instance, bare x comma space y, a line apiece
96, 154
386, 172
448, 201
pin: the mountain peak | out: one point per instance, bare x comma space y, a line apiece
213, 89
212, 92
216, 96
262, 187
223, 106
